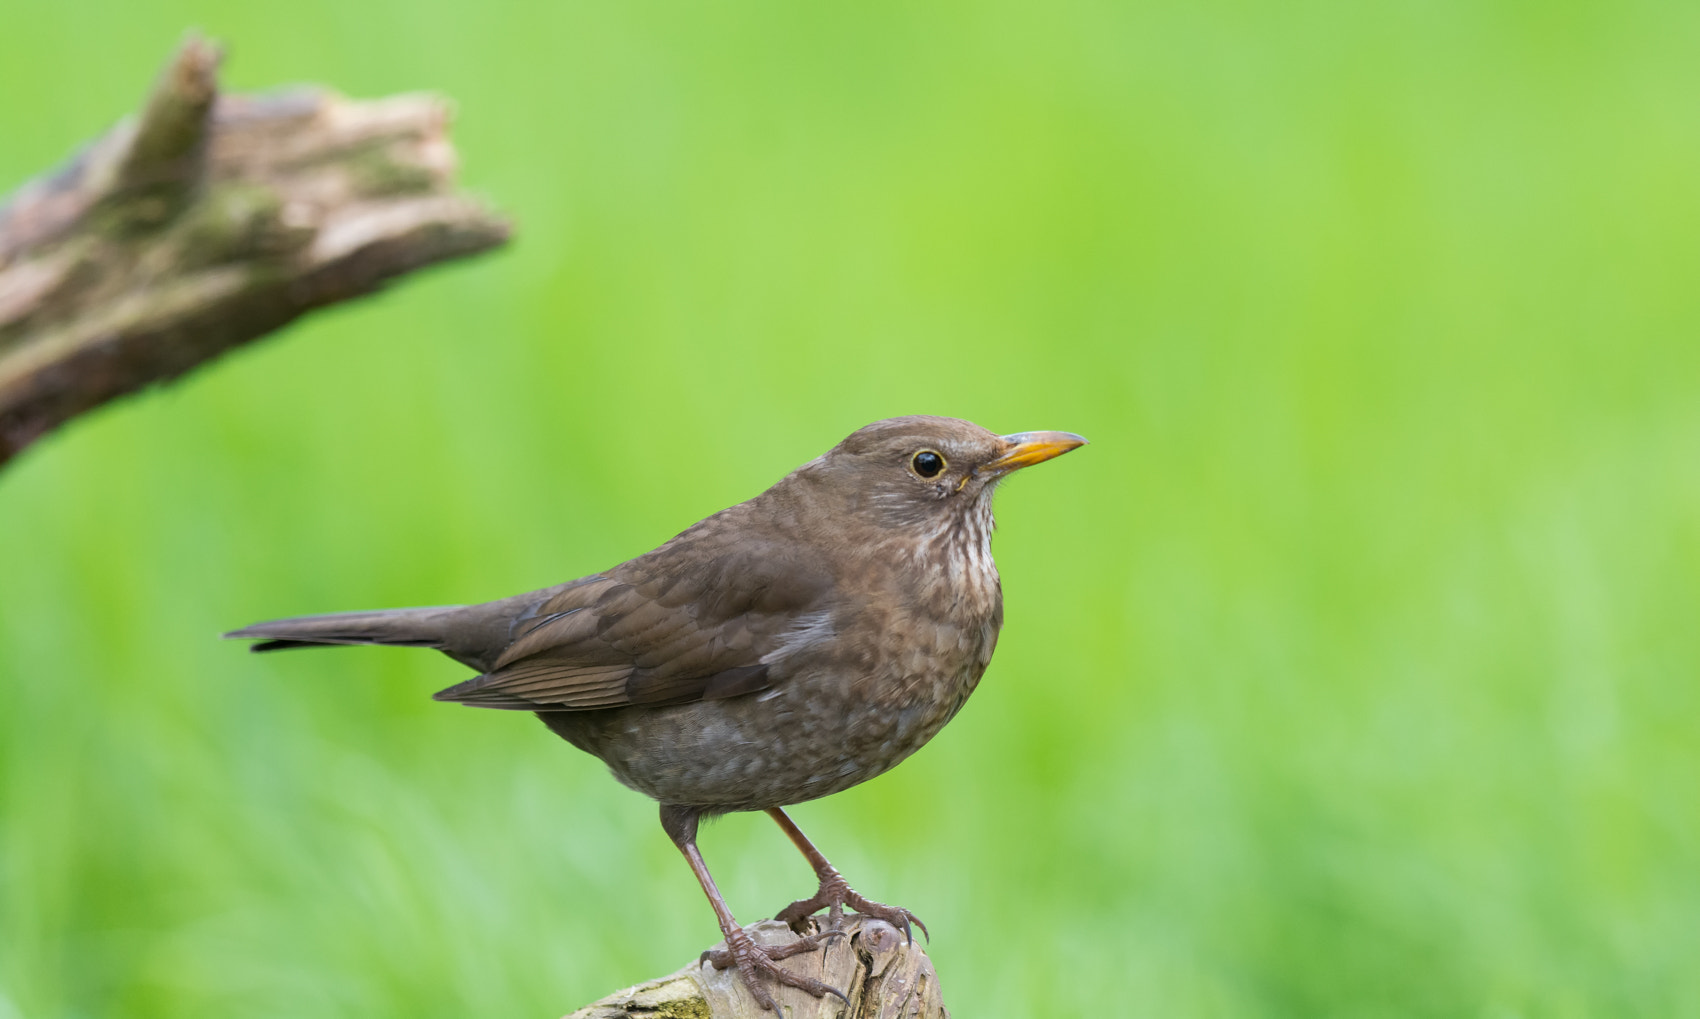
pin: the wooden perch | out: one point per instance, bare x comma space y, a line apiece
883, 976
209, 221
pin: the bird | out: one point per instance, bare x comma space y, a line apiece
778, 651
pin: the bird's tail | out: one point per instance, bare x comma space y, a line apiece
397, 627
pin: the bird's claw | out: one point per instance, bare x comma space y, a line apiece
755, 961
834, 894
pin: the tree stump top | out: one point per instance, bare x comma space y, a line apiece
883, 975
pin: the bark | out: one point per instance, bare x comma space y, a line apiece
882, 975
210, 220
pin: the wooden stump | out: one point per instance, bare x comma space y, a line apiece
883, 976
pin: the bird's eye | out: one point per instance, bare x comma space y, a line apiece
927, 463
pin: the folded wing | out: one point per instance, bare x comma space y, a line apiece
650, 634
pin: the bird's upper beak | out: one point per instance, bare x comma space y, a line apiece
1024, 449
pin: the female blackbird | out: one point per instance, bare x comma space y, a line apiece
781, 650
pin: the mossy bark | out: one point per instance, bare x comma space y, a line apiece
208, 221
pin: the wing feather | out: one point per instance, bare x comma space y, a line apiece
670, 627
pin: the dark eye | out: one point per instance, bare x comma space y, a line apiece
928, 463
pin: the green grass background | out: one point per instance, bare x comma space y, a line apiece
1350, 672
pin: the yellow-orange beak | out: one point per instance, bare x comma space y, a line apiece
1029, 448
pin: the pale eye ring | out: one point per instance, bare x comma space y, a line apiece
928, 464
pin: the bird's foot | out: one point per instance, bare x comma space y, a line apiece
835, 893
755, 961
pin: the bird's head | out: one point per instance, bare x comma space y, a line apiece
917, 469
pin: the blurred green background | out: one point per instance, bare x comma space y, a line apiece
1350, 672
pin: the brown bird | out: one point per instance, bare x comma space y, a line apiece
778, 651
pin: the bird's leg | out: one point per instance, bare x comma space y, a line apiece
753, 960
835, 893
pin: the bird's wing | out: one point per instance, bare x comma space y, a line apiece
666, 628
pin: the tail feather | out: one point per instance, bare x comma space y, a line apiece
393, 627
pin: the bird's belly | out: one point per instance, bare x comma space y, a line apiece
808, 737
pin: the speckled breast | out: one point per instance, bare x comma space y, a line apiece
829, 725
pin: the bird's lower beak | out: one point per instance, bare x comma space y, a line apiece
1029, 448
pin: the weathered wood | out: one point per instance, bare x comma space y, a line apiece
883, 976
208, 221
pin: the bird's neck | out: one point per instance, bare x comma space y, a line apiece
954, 560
